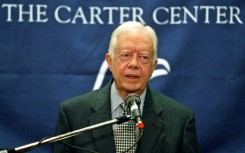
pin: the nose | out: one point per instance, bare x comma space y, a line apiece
134, 63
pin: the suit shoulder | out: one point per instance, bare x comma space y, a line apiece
86, 99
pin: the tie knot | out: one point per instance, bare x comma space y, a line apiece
124, 109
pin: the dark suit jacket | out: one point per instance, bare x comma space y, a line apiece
169, 126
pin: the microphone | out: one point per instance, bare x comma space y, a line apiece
133, 102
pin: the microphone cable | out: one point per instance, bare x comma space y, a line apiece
140, 135
76, 147
26, 150
79, 148
39, 143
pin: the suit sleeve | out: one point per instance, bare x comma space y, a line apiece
61, 128
190, 142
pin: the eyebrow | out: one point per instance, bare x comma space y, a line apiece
140, 52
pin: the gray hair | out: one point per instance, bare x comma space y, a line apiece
126, 27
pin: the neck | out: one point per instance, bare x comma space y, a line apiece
125, 93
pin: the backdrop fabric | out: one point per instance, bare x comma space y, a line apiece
53, 50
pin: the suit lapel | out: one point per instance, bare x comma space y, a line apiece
103, 136
153, 124
152, 119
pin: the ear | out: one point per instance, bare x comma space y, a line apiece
154, 65
109, 60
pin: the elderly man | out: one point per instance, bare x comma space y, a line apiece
132, 58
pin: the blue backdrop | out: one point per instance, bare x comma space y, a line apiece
51, 51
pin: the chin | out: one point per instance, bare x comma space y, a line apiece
132, 89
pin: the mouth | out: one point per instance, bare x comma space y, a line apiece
132, 76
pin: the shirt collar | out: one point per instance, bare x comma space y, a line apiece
116, 99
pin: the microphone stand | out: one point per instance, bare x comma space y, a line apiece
23, 148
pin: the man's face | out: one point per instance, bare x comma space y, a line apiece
132, 64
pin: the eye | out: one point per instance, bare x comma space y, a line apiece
125, 55
144, 58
